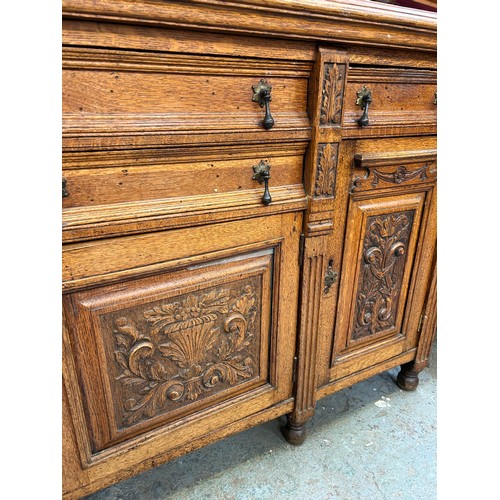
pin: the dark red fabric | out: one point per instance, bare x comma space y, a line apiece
414, 5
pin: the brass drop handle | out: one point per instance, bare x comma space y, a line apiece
262, 95
331, 276
363, 101
261, 173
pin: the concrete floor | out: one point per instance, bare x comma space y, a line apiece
371, 441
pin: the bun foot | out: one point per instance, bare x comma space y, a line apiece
407, 378
294, 433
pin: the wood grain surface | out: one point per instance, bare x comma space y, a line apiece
192, 310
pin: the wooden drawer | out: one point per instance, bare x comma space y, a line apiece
177, 185
203, 341
127, 98
403, 101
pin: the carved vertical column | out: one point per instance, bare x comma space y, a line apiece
408, 376
312, 288
325, 109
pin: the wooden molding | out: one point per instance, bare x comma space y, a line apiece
333, 21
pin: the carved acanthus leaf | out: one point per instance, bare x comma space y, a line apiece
384, 257
326, 170
183, 349
332, 95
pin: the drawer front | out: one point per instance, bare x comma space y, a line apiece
118, 98
203, 344
135, 176
403, 101
174, 187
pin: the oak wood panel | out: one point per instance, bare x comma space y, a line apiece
117, 98
70, 452
123, 36
402, 58
108, 91
397, 168
326, 109
171, 345
428, 323
382, 235
327, 20
378, 366
351, 355
157, 189
159, 137
393, 145
403, 101
225, 417
130, 183
308, 327
138, 218
334, 252
101, 476
324, 163
103, 261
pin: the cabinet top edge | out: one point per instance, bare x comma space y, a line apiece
344, 21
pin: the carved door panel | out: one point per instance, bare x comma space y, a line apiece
193, 347
384, 236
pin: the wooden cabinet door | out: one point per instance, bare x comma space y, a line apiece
390, 237
189, 344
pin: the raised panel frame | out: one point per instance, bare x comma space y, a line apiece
349, 358
129, 350
277, 243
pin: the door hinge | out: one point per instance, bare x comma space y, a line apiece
302, 243
295, 367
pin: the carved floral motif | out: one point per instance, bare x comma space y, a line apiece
179, 350
326, 169
384, 257
400, 175
333, 92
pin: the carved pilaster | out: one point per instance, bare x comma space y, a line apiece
428, 323
325, 106
312, 292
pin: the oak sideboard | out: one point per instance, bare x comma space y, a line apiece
248, 221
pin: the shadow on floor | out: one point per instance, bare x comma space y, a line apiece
369, 441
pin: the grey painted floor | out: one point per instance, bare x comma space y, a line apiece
370, 441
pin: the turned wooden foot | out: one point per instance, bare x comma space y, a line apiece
293, 432
407, 378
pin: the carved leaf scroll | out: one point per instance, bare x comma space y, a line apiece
379, 288
332, 94
326, 170
177, 351
400, 175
